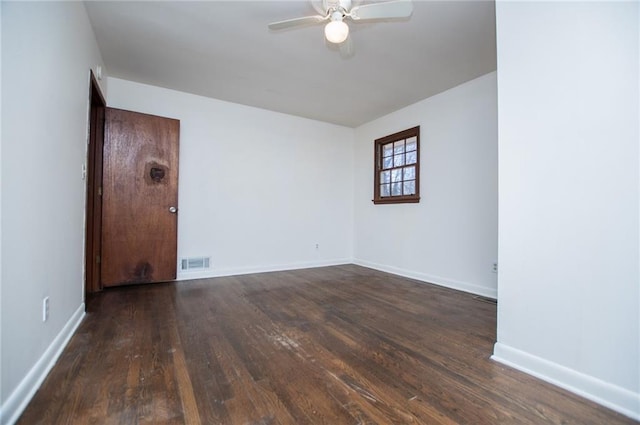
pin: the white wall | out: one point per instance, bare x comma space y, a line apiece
569, 302
257, 189
450, 237
47, 52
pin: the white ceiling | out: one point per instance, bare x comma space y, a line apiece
224, 50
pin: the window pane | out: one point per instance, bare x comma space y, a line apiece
384, 190
387, 150
410, 187
412, 157
387, 162
398, 160
398, 147
409, 173
396, 175
412, 143
385, 177
396, 189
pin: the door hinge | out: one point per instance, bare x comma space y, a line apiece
97, 259
100, 191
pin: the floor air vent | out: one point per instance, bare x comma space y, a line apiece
194, 263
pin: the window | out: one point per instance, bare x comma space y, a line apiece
397, 168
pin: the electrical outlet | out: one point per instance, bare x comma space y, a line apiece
45, 309
494, 268
317, 246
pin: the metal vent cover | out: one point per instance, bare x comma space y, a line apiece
195, 263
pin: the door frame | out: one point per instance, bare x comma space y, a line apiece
93, 209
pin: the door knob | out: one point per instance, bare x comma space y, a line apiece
173, 210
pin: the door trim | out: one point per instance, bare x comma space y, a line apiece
93, 210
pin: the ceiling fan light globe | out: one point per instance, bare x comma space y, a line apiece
336, 32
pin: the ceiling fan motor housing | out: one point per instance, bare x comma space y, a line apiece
342, 5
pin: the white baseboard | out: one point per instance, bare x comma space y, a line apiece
21, 396
437, 280
213, 272
615, 398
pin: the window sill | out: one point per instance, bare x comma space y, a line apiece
397, 200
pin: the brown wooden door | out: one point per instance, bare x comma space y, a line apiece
139, 198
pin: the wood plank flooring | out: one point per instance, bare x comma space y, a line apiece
333, 345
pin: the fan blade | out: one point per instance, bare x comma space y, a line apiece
390, 9
297, 22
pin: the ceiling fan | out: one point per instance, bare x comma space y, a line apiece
337, 11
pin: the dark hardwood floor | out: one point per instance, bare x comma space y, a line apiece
334, 345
